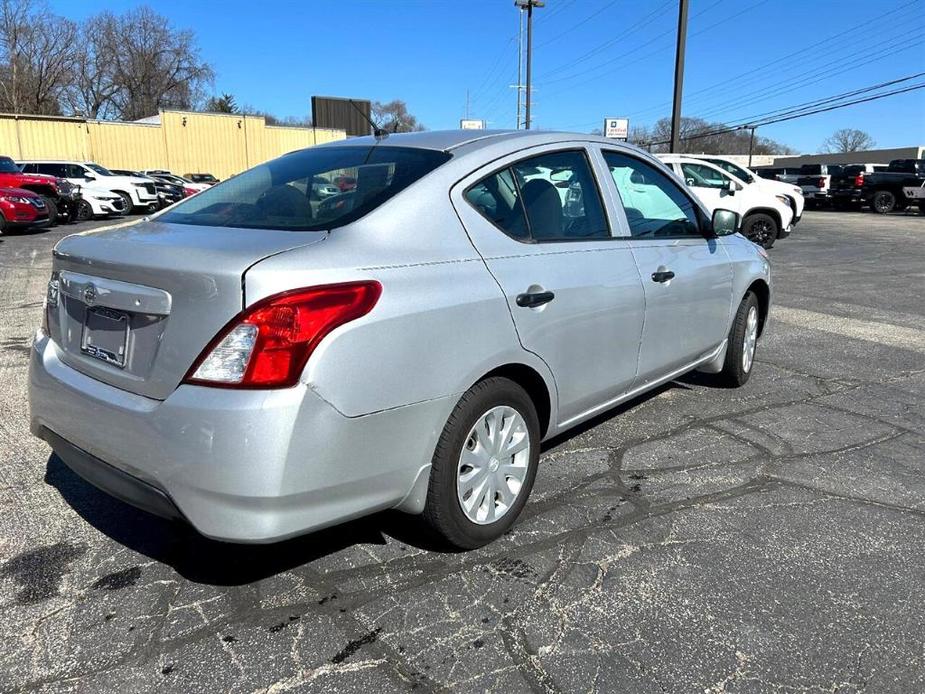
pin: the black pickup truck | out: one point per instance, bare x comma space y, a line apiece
847, 187
883, 190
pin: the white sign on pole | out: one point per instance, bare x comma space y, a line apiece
617, 128
469, 124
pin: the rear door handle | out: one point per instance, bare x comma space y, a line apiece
662, 276
535, 299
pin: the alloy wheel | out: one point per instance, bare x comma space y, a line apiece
493, 465
750, 341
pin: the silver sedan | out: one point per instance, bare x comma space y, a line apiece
262, 365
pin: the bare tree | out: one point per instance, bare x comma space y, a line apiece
394, 117
699, 136
36, 57
156, 66
93, 86
848, 140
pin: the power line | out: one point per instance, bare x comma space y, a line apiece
584, 21
803, 114
818, 75
724, 84
620, 57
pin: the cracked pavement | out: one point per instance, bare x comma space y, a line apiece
697, 539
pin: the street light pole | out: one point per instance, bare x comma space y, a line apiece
678, 77
529, 5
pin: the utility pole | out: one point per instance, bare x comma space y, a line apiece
678, 77
751, 146
520, 66
529, 5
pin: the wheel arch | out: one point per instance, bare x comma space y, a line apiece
762, 292
531, 381
770, 211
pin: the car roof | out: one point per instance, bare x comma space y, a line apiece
466, 140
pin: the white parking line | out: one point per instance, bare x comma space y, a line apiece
871, 331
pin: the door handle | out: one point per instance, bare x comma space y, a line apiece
535, 299
662, 276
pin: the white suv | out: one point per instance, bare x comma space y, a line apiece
136, 193
792, 192
766, 215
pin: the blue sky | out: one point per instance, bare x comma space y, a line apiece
593, 58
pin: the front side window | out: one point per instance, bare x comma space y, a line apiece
550, 197
279, 194
655, 206
73, 171
700, 176
729, 167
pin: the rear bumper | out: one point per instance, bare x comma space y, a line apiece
240, 466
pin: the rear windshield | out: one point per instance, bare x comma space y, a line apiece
7, 166
309, 190
853, 169
811, 169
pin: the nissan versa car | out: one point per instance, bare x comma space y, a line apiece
261, 363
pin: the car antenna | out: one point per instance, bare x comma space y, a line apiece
378, 132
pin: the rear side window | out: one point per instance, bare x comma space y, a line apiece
654, 204
551, 197
59, 170
287, 193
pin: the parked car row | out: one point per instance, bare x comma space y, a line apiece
880, 187
35, 193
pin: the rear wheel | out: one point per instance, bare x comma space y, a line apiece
742, 344
761, 229
883, 202
484, 464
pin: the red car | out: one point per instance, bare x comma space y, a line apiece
21, 208
60, 196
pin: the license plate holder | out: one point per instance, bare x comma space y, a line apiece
105, 335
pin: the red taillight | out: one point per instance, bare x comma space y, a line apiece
279, 335
189, 191
820, 183
859, 181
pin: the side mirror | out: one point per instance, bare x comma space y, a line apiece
89, 177
732, 186
725, 222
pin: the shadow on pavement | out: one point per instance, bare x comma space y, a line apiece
202, 560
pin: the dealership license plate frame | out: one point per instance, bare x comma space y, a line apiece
104, 335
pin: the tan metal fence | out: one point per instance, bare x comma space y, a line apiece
179, 141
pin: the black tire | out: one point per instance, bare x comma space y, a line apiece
126, 201
52, 207
84, 211
761, 228
736, 371
443, 511
883, 202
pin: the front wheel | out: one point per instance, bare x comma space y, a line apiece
760, 228
742, 344
84, 211
127, 204
52, 207
883, 202
484, 464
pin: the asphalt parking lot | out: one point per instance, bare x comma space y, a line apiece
695, 540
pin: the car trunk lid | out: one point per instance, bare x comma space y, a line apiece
137, 303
